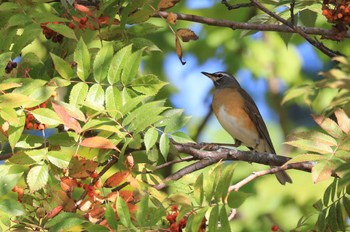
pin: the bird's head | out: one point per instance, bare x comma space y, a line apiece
222, 79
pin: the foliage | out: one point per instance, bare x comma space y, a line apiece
88, 136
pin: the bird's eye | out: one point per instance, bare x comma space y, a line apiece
220, 75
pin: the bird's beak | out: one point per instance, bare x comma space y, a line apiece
210, 75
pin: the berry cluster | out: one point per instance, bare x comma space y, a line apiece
337, 12
171, 217
50, 34
31, 122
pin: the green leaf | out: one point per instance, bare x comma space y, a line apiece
211, 183
321, 171
29, 141
78, 94
118, 63
149, 84
15, 130
316, 136
164, 145
225, 226
102, 62
113, 101
111, 218
37, 177
63, 30
308, 17
346, 203
329, 126
12, 207
340, 217
140, 16
8, 181
9, 115
213, 219
225, 180
22, 159
64, 221
236, 199
312, 146
197, 219
198, 192
131, 69
59, 159
66, 139
62, 67
294, 93
306, 158
82, 58
150, 138
13, 100
181, 137
47, 116
332, 218
142, 211
123, 212
96, 96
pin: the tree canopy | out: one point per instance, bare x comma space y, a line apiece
106, 123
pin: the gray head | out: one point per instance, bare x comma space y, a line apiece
222, 79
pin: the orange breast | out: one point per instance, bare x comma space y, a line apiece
228, 107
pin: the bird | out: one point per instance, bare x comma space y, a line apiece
238, 114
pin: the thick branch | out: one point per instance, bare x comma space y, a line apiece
248, 26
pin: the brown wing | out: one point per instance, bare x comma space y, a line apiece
254, 114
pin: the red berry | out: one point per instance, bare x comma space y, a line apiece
274, 228
91, 193
174, 208
94, 175
170, 218
85, 186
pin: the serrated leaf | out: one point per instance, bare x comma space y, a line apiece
332, 218
123, 212
78, 94
326, 195
225, 226
102, 62
9, 115
113, 101
211, 183
63, 30
321, 171
37, 177
82, 58
118, 64
111, 218
64, 222
46, 116
225, 179
312, 146
328, 125
181, 137
148, 84
164, 145
346, 203
28, 141
12, 207
316, 136
6, 86
15, 131
68, 121
150, 138
198, 192
81, 168
142, 210
131, 69
13, 100
213, 219
340, 217
306, 158
59, 159
198, 218
140, 16
62, 67
294, 93
98, 142
96, 95
343, 120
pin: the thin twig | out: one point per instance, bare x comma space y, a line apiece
248, 26
185, 159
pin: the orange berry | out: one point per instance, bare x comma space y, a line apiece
339, 15
98, 184
41, 126
91, 193
97, 192
29, 126
35, 126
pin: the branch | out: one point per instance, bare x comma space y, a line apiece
298, 30
248, 26
215, 153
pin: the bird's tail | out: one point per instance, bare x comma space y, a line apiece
283, 177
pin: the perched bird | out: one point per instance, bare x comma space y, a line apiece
240, 117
